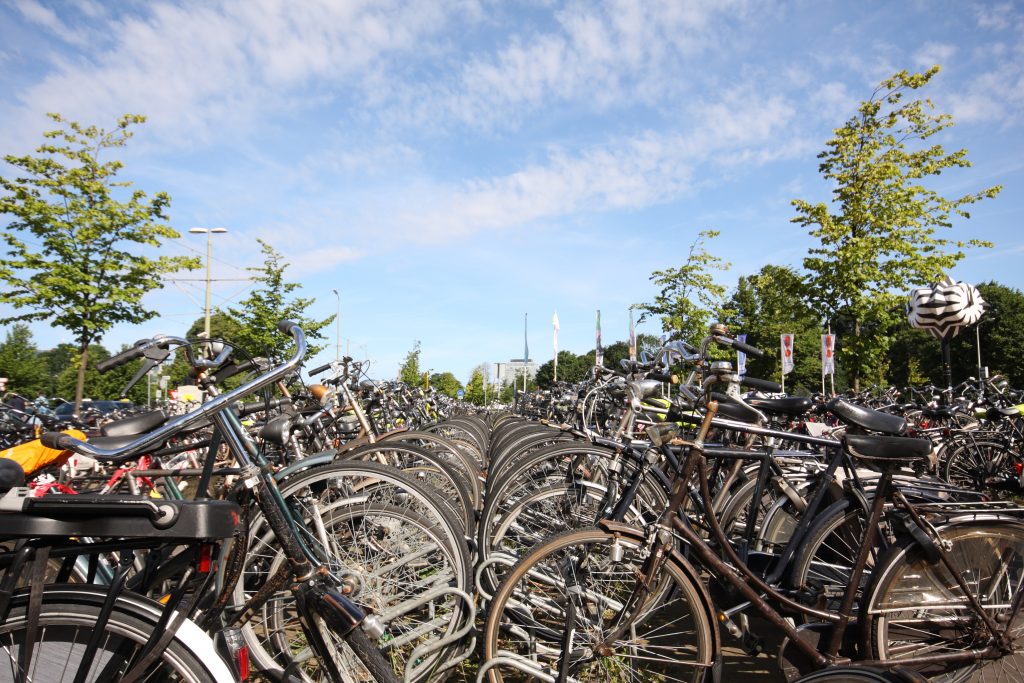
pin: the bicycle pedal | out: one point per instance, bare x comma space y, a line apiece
751, 644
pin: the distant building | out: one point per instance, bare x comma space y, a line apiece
512, 371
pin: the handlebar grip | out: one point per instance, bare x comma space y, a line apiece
260, 406
763, 384
663, 377
317, 371
285, 327
748, 349
58, 441
232, 370
125, 356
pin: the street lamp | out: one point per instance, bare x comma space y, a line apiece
209, 232
338, 353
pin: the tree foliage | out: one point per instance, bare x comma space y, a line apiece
446, 383
689, 298
409, 370
22, 364
270, 302
475, 386
879, 236
76, 236
766, 305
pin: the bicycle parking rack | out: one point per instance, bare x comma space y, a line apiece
421, 651
516, 662
495, 558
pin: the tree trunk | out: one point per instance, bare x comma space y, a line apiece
83, 358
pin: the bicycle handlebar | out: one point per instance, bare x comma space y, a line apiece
126, 356
763, 384
205, 411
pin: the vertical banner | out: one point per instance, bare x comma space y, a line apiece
741, 358
598, 350
828, 354
787, 353
632, 336
554, 341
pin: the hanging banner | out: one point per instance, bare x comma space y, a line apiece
828, 354
741, 358
632, 336
787, 353
598, 351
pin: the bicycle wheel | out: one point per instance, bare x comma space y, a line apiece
387, 543
915, 608
989, 466
671, 639
66, 621
424, 465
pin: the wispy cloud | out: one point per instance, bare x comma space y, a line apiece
630, 173
199, 69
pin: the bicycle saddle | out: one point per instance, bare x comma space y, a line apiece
866, 418
796, 405
135, 425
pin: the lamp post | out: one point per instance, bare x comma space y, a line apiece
338, 352
209, 232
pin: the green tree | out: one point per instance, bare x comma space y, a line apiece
880, 235
22, 364
272, 301
57, 359
690, 298
571, 368
75, 241
409, 370
766, 305
446, 383
107, 386
475, 386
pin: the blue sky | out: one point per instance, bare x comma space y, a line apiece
450, 166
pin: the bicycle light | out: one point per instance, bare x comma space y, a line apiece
232, 648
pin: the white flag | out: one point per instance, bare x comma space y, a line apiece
554, 324
828, 354
741, 358
787, 353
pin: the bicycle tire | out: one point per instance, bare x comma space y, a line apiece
371, 657
527, 620
971, 465
989, 556
68, 615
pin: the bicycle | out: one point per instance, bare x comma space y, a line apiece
606, 602
326, 616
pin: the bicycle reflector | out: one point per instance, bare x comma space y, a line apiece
233, 650
205, 558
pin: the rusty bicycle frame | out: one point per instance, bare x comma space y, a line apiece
756, 590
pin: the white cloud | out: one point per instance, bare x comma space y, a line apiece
996, 16
741, 129
45, 17
196, 67
618, 53
932, 53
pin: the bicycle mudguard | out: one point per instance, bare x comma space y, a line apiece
325, 458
